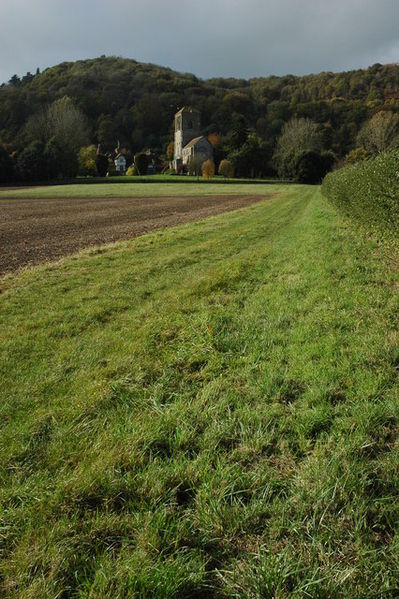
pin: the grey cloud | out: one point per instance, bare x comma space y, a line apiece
241, 38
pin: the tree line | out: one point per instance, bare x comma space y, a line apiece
120, 99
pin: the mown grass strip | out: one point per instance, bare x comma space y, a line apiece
209, 411
132, 190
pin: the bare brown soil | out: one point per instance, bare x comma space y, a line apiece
40, 230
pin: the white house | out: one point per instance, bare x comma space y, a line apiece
120, 164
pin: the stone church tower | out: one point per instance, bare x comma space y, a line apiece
187, 127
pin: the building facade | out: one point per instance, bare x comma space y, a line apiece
120, 164
190, 145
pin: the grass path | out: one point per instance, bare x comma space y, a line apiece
137, 190
208, 411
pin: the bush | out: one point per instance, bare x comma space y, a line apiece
31, 163
308, 167
368, 190
356, 155
208, 169
226, 169
42, 162
311, 166
131, 171
87, 161
140, 163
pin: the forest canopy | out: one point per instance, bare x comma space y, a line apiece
121, 99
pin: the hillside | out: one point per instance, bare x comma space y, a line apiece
209, 411
135, 102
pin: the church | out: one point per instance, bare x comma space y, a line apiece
189, 143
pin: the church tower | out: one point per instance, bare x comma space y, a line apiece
187, 127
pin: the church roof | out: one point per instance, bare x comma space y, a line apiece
194, 141
186, 109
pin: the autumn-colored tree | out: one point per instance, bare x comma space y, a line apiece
356, 155
170, 151
63, 122
226, 169
380, 133
298, 136
56, 134
208, 169
87, 161
122, 100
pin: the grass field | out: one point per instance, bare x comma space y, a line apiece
209, 411
156, 180
159, 178
125, 190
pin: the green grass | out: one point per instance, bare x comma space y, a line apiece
100, 190
218, 179
209, 411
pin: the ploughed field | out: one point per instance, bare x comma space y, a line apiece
34, 230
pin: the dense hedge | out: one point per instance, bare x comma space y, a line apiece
368, 191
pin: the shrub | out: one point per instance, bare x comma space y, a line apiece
368, 190
31, 162
208, 169
356, 155
310, 166
131, 171
141, 163
226, 169
40, 161
87, 161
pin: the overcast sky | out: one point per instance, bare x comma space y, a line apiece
241, 38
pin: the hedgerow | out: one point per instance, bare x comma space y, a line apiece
368, 191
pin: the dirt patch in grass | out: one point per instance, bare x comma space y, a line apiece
40, 230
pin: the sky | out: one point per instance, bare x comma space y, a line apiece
210, 38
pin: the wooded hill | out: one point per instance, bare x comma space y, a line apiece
135, 102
